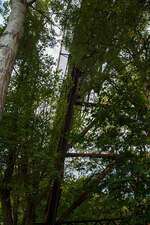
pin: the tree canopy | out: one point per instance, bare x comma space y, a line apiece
83, 134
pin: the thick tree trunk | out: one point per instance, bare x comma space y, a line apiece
5, 191
6, 207
9, 43
15, 209
62, 148
29, 214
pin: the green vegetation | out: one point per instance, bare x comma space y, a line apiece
100, 106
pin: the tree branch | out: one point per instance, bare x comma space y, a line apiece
90, 104
30, 2
45, 16
96, 155
86, 129
84, 195
93, 155
87, 104
83, 132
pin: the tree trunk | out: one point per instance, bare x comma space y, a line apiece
5, 191
62, 148
6, 207
9, 43
15, 210
29, 214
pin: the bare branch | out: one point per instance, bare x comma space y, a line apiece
86, 129
16, 71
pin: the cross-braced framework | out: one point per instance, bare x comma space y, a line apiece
63, 152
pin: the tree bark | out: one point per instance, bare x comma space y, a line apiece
15, 210
29, 214
6, 207
62, 148
9, 43
5, 191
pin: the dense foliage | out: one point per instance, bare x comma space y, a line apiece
108, 41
